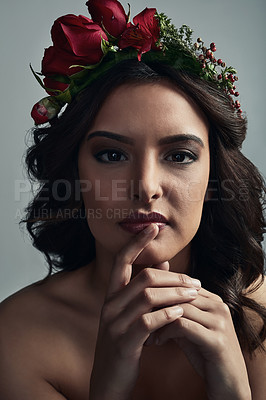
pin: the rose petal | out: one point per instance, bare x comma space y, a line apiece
109, 12
148, 23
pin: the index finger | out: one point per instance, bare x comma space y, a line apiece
122, 268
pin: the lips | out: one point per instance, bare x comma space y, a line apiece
137, 222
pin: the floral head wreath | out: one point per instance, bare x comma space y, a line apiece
84, 48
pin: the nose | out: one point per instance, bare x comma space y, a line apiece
146, 184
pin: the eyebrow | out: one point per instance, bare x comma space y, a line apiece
111, 135
165, 140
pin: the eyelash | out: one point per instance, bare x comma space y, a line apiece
99, 155
108, 152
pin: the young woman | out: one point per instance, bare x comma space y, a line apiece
141, 205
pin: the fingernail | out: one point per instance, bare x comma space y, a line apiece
196, 283
192, 292
175, 311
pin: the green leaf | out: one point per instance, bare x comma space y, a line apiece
85, 66
64, 97
37, 77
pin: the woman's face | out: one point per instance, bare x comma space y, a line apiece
147, 152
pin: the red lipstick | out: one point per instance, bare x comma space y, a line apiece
136, 222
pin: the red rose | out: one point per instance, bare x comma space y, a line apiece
56, 61
135, 37
44, 110
39, 114
144, 34
77, 41
110, 13
149, 24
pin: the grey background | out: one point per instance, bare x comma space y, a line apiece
236, 26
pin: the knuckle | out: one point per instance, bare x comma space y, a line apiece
148, 276
167, 314
224, 309
178, 291
183, 279
184, 323
146, 323
148, 296
110, 309
218, 298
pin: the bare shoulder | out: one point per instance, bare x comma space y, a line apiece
257, 291
42, 328
256, 364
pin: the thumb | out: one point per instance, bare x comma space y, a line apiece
164, 266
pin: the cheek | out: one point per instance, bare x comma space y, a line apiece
196, 186
187, 200
96, 192
195, 192
189, 192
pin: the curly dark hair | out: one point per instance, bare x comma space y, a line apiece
227, 248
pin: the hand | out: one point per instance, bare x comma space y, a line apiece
206, 334
128, 317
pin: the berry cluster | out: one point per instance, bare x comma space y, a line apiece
225, 76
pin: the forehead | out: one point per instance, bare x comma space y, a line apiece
150, 108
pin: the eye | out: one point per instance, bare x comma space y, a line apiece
110, 156
181, 157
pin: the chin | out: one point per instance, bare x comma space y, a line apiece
157, 253
154, 254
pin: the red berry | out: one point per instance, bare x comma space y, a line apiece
234, 87
213, 47
203, 65
232, 91
223, 64
214, 60
219, 77
208, 53
201, 57
220, 61
236, 94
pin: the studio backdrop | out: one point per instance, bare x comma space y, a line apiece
236, 26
